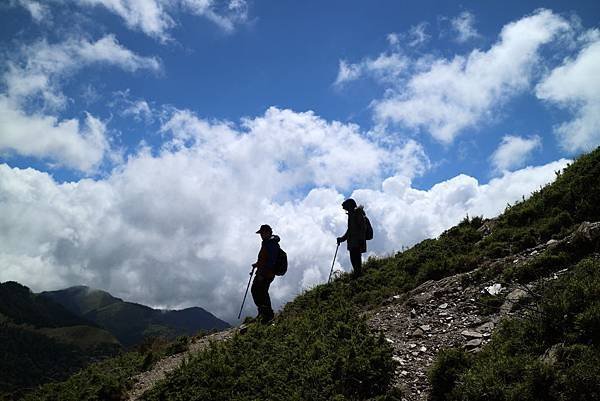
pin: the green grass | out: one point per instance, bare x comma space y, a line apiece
320, 353
109, 379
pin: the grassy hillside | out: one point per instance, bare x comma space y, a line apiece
30, 358
40, 341
81, 299
320, 348
84, 337
131, 322
24, 307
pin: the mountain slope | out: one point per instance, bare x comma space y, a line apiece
81, 299
41, 341
24, 307
131, 322
325, 344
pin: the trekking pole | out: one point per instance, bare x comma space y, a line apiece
332, 263
246, 293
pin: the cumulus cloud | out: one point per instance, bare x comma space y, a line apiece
35, 77
65, 142
464, 26
451, 95
155, 17
575, 86
175, 227
513, 151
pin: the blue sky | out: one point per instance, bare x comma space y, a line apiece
195, 120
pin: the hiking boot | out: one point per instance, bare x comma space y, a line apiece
266, 318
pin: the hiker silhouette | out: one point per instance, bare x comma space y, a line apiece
265, 273
356, 234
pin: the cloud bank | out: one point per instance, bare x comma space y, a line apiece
175, 227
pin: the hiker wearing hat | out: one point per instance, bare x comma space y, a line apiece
265, 264
356, 234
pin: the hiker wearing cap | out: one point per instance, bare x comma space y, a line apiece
356, 234
265, 264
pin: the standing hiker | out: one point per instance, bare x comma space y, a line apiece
356, 234
265, 273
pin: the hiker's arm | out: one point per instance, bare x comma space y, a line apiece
342, 238
262, 258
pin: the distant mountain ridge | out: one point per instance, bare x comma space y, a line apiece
130, 322
42, 341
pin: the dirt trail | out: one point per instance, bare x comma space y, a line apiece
146, 380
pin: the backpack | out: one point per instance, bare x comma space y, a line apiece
368, 229
281, 264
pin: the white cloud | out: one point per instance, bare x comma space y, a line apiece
464, 26
452, 95
37, 75
513, 151
66, 142
139, 109
347, 72
385, 68
149, 16
232, 12
393, 39
176, 228
575, 85
155, 17
404, 215
417, 35
40, 67
38, 11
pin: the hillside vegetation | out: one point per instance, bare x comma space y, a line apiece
40, 341
320, 347
129, 322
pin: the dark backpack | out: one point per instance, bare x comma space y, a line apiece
368, 229
281, 264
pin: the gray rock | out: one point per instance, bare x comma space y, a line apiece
425, 327
586, 232
550, 357
476, 342
422, 297
443, 306
488, 326
417, 333
512, 299
471, 334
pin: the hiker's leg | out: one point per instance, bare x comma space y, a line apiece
268, 310
260, 294
356, 260
256, 291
